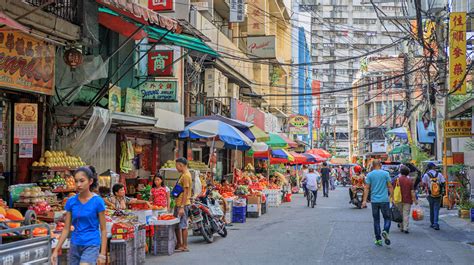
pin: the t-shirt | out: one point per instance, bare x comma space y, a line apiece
312, 180
85, 219
377, 179
406, 186
325, 173
185, 181
160, 196
426, 177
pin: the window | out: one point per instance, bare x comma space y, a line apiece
342, 46
370, 110
364, 21
358, 8
339, 8
336, 20
378, 106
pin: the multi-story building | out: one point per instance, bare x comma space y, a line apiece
342, 29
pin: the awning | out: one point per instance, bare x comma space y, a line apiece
127, 26
290, 142
242, 126
402, 149
10, 22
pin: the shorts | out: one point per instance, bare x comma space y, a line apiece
183, 220
83, 254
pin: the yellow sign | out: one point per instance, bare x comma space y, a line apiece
457, 53
457, 128
115, 99
299, 124
26, 63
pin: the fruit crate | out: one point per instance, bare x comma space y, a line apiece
122, 252
163, 246
140, 256
140, 238
164, 231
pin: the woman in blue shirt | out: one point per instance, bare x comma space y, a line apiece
85, 212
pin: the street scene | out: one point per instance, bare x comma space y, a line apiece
236, 131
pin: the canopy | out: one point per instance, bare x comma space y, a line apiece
400, 132
312, 158
276, 141
279, 156
402, 149
233, 138
320, 152
290, 142
259, 134
301, 159
259, 147
338, 161
242, 126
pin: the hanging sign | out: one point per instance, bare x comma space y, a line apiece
237, 8
299, 124
457, 53
26, 122
457, 128
133, 101
26, 63
159, 91
161, 5
115, 99
160, 63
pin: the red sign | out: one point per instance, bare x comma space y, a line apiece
244, 112
160, 63
161, 5
316, 88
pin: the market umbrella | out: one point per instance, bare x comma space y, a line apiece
259, 147
276, 141
313, 159
400, 132
290, 142
402, 149
279, 156
242, 126
300, 159
231, 136
320, 152
259, 134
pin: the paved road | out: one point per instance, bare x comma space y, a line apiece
331, 233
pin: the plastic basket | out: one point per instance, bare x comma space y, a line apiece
140, 256
140, 238
238, 217
163, 246
121, 252
164, 231
239, 210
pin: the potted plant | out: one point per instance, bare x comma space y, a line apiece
465, 210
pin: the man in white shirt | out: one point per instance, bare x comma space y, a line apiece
312, 180
434, 180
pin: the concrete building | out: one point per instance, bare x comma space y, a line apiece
342, 29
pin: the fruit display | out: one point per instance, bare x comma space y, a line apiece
32, 195
53, 159
41, 208
197, 165
58, 182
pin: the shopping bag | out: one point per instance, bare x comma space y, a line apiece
417, 213
397, 216
397, 192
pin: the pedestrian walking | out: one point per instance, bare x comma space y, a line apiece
303, 181
434, 181
332, 178
182, 194
86, 212
325, 179
407, 190
379, 186
313, 181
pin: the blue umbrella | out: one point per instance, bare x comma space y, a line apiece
400, 132
231, 136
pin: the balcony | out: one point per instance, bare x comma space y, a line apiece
64, 9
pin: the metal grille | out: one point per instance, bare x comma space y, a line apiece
65, 9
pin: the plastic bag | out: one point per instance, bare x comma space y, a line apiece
397, 216
417, 213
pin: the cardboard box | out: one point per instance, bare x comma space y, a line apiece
254, 200
253, 208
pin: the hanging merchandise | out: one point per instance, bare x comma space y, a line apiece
126, 156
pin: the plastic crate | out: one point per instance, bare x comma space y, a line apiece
122, 252
140, 256
253, 215
164, 231
238, 217
163, 246
140, 238
239, 210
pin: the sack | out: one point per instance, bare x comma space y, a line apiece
397, 192
435, 187
417, 214
397, 216
177, 190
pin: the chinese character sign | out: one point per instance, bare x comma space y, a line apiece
457, 53
26, 122
27, 63
160, 63
237, 8
159, 91
257, 17
457, 128
161, 5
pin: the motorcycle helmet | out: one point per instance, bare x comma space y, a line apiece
357, 169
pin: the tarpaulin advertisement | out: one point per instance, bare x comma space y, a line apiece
26, 63
244, 112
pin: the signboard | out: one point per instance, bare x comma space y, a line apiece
257, 17
457, 128
26, 122
160, 63
299, 124
457, 53
133, 101
27, 63
244, 112
26, 148
159, 91
379, 147
261, 46
237, 8
161, 5
115, 99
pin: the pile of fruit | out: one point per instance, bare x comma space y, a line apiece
41, 208
166, 216
58, 159
12, 217
58, 182
32, 195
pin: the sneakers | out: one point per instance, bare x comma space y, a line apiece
378, 243
385, 237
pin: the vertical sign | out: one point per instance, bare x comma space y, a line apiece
133, 101
26, 122
160, 63
257, 17
236, 11
161, 5
115, 99
457, 53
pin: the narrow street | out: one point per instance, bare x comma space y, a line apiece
332, 233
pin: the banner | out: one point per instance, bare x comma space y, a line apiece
26, 122
25, 148
457, 53
161, 5
257, 17
299, 124
159, 91
26, 63
244, 112
115, 99
457, 128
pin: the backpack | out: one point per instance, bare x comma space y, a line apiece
435, 187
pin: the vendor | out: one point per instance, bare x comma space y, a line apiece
160, 194
118, 201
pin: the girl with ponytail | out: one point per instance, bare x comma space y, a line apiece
86, 212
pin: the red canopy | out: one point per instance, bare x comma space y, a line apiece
299, 159
320, 152
120, 25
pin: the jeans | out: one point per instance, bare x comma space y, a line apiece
83, 254
435, 204
383, 207
325, 187
405, 210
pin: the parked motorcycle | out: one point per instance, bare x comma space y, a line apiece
207, 220
358, 197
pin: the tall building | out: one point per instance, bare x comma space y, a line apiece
342, 29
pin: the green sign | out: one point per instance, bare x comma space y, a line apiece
133, 101
159, 91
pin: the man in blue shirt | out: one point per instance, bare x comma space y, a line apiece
379, 185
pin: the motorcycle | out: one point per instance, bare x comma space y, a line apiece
344, 181
207, 220
358, 197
